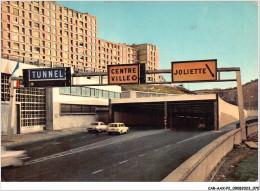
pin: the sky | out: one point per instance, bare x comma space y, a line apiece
184, 31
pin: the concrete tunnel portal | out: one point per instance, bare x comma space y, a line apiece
187, 112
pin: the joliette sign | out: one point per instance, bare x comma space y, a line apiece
194, 71
47, 77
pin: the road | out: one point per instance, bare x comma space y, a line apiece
146, 156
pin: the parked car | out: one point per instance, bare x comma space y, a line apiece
97, 127
119, 128
11, 158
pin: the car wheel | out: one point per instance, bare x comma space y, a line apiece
126, 132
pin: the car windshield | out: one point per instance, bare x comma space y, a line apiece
113, 125
93, 123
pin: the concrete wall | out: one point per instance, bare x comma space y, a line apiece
228, 113
252, 112
60, 121
4, 117
198, 167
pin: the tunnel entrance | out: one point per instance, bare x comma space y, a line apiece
181, 115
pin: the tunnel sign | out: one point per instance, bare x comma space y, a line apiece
123, 74
191, 71
47, 77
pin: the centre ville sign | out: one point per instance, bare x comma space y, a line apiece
194, 71
126, 74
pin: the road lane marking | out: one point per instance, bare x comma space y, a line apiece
71, 139
200, 135
142, 155
97, 171
56, 143
156, 150
168, 145
25, 158
123, 162
99, 144
83, 137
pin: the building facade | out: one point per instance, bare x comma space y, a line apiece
48, 34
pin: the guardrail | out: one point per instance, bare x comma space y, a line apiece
198, 167
249, 124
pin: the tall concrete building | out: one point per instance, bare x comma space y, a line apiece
45, 34
48, 34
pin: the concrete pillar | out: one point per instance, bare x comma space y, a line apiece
111, 112
11, 114
241, 106
165, 113
49, 109
216, 115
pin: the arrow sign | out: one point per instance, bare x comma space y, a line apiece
194, 71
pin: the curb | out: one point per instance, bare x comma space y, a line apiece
39, 140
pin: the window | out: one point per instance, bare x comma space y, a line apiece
70, 12
36, 9
15, 28
98, 93
36, 33
36, 42
36, 17
92, 92
15, 11
111, 95
36, 25
117, 95
105, 94
79, 109
16, 46
16, 20
14, 37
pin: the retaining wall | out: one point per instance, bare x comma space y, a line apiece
198, 167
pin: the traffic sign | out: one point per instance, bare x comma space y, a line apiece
123, 74
194, 71
47, 77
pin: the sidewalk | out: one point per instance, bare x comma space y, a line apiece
37, 136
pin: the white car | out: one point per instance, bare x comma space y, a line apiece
119, 128
97, 127
12, 158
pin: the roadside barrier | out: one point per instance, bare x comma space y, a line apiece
198, 167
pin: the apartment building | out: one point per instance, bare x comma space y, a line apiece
46, 34
149, 55
50, 34
111, 53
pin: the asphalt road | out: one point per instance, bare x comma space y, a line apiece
140, 156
